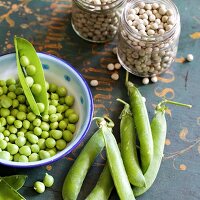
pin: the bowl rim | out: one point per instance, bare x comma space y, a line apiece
83, 132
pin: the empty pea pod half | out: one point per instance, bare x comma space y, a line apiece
31, 76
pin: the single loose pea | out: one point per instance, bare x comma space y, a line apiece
95, 83
25, 150
10, 119
6, 102
10, 81
45, 118
18, 123
36, 89
60, 116
2, 128
19, 91
54, 125
44, 134
31, 116
30, 70
44, 126
53, 118
26, 124
6, 133
61, 109
37, 122
22, 158
44, 154
22, 108
20, 133
71, 127
35, 148
6, 139
52, 87
62, 100
67, 135
2, 82
5, 155
69, 112
1, 91
24, 61
29, 81
61, 91
41, 143
21, 98
52, 109
61, 144
69, 100
12, 148
3, 144
48, 180
56, 134
62, 124
37, 131
54, 102
52, 151
50, 143
14, 112
20, 141
12, 88
33, 157
15, 103
41, 107
21, 115
12, 129
16, 157
3, 121
54, 96
39, 187
11, 95
32, 138
23, 130
73, 118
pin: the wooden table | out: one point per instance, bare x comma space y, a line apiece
46, 23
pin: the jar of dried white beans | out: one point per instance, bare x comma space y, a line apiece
148, 36
96, 20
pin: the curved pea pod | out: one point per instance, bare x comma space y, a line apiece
8, 192
142, 125
77, 173
103, 187
128, 147
25, 48
15, 181
116, 166
159, 129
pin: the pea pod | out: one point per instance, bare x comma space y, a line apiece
128, 147
79, 169
15, 181
142, 125
7, 192
116, 165
25, 48
103, 187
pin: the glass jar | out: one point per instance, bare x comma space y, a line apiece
96, 21
142, 53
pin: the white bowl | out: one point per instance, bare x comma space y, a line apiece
60, 72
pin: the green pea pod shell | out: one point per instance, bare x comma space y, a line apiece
159, 129
25, 48
7, 192
116, 165
77, 173
103, 187
142, 125
128, 148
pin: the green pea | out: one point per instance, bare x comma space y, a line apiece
15, 103
21, 98
62, 125
5, 89
11, 95
16, 157
26, 124
60, 116
6, 139
54, 96
54, 102
23, 130
69, 100
12, 88
52, 151
44, 134
44, 154
12, 149
71, 127
3, 144
20, 141
61, 144
2, 128
54, 125
48, 180
37, 122
22, 108
56, 134
36, 89
33, 157
14, 112
52, 87
50, 143
24, 61
30, 70
2, 82
18, 123
61, 91
3, 121
6, 133
31, 116
41, 143
67, 135
1, 136
31, 127
25, 150
10, 119
68, 112
20, 133
32, 138
61, 109
73, 118
5, 155
1, 91
45, 118
44, 126
35, 148
39, 187
41, 107
37, 131
19, 91
53, 118
12, 129
6, 102
22, 158
10, 81
52, 109
21, 115
62, 100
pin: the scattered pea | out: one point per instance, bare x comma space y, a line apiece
190, 57
154, 79
115, 76
111, 66
145, 81
69, 100
39, 187
48, 180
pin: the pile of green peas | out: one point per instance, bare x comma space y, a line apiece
25, 137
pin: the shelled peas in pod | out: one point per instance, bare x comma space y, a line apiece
96, 20
148, 36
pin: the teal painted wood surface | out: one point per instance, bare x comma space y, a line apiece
46, 23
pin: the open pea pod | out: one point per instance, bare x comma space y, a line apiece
25, 48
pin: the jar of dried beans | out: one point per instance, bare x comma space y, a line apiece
148, 36
96, 20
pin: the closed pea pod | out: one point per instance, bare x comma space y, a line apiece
142, 125
79, 169
128, 147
